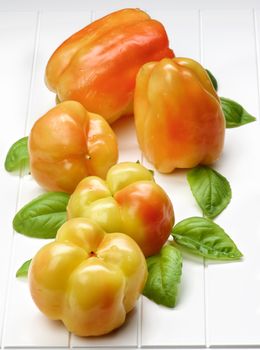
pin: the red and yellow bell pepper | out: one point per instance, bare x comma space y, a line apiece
97, 66
87, 278
129, 201
178, 116
67, 144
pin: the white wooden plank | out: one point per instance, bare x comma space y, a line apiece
127, 335
233, 306
17, 32
128, 151
183, 325
52, 31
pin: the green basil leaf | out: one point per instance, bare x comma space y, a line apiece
18, 155
43, 216
23, 270
202, 236
164, 275
213, 80
210, 189
235, 114
57, 100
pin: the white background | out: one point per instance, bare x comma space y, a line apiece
219, 303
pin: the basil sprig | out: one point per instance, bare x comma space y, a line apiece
43, 216
23, 269
203, 237
210, 189
164, 276
235, 114
18, 155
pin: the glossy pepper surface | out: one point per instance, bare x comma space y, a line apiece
129, 201
87, 278
178, 116
97, 66
69, 143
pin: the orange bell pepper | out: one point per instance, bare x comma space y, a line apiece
178, 116
69, 143
97, 66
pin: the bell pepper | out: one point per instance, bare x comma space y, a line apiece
67, 144
178, 116
129, 201
87, 278
97, 66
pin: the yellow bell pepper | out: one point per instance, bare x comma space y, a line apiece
87, 278
178, 116
129, 201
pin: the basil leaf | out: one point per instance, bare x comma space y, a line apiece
235, 114
43, 216
23, 270
57, 100
164, 276
213, 80
18, 155
202, 236
210, 189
